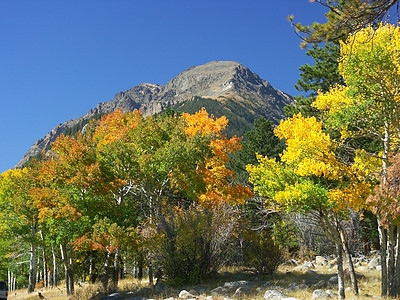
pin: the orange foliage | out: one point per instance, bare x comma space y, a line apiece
214, 172
200, 122
116, 125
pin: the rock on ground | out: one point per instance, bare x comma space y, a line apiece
274, 295
320, 294
185, 295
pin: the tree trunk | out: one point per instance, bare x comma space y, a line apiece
340, 271
352, 272
391, 262
381, 230
140, 266
45, 273
69, 275
65, 263
54, 283
115, 276
150, 268
383, 246
32, 264
104, 277
397, 266
91, 269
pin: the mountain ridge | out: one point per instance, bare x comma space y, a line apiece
217, 80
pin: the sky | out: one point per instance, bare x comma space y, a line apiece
60, 58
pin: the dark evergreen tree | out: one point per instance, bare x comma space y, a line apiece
260, 139
318, 77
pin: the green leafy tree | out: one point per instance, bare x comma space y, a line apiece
22, 215
260, 139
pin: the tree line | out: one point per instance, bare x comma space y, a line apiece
173, 194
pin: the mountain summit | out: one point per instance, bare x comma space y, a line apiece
222, 87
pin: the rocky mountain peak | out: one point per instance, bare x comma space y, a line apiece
213, 79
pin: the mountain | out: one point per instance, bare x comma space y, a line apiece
222, 87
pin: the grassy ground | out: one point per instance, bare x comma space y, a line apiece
369, 286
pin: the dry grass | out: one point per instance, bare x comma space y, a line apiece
369, 286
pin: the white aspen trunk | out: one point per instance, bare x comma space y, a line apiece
397, 264
32, 269
116, 269
32, 263
382, 232
383, 245
54, 267
9, 279
391, 261
340, 271
64, 260
45, 273
91, 268
71, 275
104, 277
13, 284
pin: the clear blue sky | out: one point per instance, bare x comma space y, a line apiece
59, 58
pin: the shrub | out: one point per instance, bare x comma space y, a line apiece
262, 255
192, 242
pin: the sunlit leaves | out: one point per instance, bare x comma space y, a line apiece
310, 176
213, 169
309, 149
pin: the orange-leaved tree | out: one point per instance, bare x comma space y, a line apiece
216, 176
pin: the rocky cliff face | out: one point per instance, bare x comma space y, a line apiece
219, 80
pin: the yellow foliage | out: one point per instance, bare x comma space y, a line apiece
365, 163
309, 149
334, 100
376, 52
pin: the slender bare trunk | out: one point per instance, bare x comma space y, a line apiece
54, 283
140, 266
382, 231
45, 273
397, 266
115, 274
340, 271
104, 277
91, 268
352, 272
69, 275
391, 261
32, 263
383, 245
65, 263
150, 268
